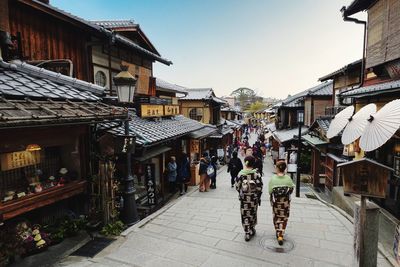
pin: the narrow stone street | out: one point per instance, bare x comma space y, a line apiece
204, 229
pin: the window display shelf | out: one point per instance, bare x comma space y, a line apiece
13, 208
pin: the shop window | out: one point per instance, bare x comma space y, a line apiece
100, 78
196, 114
23, 173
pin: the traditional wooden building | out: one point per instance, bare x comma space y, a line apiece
47, 123
380, 82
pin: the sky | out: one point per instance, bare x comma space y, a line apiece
274, 47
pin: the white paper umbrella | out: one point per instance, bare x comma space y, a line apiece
381, 127
357, 124
339, 121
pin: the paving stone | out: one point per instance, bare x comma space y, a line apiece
130, 256
217, 260
148, 244
343, 238
221, 226
188, 255
331, 245
220, 234
198, 238
187, 227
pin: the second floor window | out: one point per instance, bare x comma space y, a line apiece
100, 78
196, 114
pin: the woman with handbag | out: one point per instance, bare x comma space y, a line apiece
249, 185
280, 188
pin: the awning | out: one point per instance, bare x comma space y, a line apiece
313, 140
152, 152
286, 135
203, 132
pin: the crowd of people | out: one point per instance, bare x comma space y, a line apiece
246, 177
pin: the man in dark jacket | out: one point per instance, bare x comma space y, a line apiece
183, 178
213, 177
234, 167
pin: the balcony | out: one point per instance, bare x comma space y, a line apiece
333, 110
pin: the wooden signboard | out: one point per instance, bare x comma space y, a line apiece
171, 110
194, 146
150, 183
151, 110
19, 159
365, 177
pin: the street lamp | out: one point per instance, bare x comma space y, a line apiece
300, 121
125, 84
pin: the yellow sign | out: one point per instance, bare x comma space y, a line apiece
194, 146
19, 159
171, 110
152, 110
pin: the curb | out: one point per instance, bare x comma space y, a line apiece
381, 250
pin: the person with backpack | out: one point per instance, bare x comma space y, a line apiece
249, 184
213, 172
234, 167
280, 188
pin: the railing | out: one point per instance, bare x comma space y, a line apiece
333, 110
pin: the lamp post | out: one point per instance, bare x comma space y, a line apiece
125, 84
300, 121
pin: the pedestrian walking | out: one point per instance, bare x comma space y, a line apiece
183, 174
249, 185
213, 173
172, 174
204, 180
280, 188
234, 167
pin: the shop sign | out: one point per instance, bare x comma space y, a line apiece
365, 177
19, 159
393, 69
171, 110
194, 146
151, 110
150, 183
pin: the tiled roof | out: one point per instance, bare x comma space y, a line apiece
375, 89
199, 94
357, 6
112, 24
206, 131
106, 32
341, 70
285, 135
324, 123
21, 80
323, 89
150, 132
28, 112
165, 86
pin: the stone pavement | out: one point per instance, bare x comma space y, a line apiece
204, 229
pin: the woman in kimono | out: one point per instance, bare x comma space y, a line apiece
249, 185
280, 188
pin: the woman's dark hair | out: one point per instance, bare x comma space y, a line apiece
250, 161
281, 165
234, 154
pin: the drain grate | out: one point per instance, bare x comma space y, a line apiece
94, 246
270, 243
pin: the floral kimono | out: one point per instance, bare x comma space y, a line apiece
249, 185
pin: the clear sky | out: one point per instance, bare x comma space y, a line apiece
275, 47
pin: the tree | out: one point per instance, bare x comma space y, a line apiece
245, 97
256, 106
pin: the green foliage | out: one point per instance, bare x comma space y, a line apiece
305, 161
256, 106
245, 97
65, 227
115, 229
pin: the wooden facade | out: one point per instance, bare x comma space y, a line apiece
45, 37
383, 42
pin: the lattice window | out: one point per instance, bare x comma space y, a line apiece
196, 114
